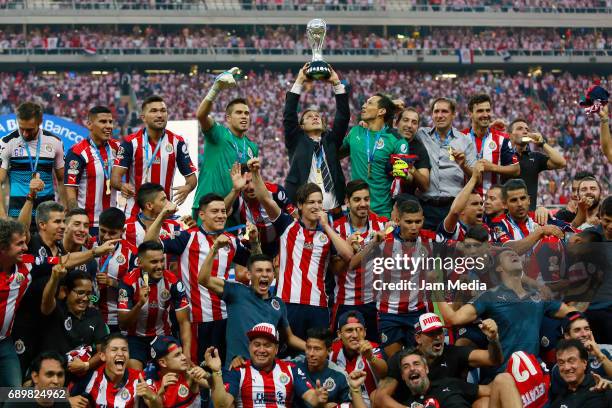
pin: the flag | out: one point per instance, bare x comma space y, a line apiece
466, 56
503, 52
89, 50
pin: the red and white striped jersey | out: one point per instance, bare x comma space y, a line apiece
12, 288
135, 230
252, 388
106, 395
178, 395
403, 301
153, 319
121, 261
357, 362
85, 171
355, 287
192, 247
495, 147
172, 154
304, 256
254, 213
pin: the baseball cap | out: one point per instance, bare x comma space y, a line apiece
161, 346
428, 322
265, 330
570, 318
352, 316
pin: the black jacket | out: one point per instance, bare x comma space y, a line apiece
301, 147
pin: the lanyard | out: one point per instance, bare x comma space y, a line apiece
239, 154
109, 164
320, 158
447, 141
108, 258
484, 140
146, 146
33, 164
370, 157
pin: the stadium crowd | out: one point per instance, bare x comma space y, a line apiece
287, 40
549, 6
425, 275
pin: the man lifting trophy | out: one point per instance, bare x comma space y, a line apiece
315, 31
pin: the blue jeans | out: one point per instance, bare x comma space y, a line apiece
10, 370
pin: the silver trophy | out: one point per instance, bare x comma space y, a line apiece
315, 32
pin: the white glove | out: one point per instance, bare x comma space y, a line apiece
224, 80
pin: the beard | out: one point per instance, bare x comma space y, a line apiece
420, 388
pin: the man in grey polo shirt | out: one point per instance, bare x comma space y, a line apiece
452, 156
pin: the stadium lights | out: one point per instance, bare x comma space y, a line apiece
159, 71
49, 72
99, 72
400, 37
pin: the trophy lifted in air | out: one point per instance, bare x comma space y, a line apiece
315, 32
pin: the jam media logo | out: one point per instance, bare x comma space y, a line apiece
70, 132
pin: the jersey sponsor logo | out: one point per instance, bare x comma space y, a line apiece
323, 238
19, 346
183, 391
42, 252
275, 304
329, 384
180, 287
284, 379
404, 148
73, 171
164, 295
68, 323
308, 245
48, 148
492, 145
169, 148
120, 259
184, 149
281, 195
73, 164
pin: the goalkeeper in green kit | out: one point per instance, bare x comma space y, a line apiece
223, 145
370, 149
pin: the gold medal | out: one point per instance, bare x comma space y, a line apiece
450, 154
389, 230
145, 279
108, 190
319, 177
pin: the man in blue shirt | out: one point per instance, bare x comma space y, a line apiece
518, 311
317, 367
247, 305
